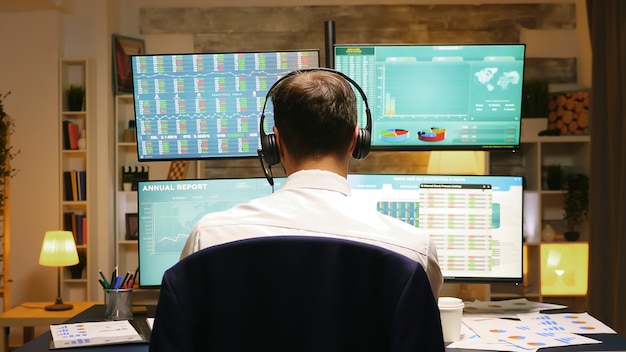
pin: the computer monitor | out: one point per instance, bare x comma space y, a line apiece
439, 97
201, 106
167, 211
475, 221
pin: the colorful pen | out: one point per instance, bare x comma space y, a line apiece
105, 283
124, 279
118, 281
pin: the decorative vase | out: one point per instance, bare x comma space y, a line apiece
75, 104
76, 271
82, 141
547, 235
554, 183
571, 235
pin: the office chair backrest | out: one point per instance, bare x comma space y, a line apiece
292, 293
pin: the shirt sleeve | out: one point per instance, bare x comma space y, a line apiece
191, 246
433, 270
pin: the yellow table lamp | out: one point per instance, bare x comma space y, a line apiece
58, 249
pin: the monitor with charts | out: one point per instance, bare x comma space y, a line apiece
439, 97
475, 221
167, 211
202, 106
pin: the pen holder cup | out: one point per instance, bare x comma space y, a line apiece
118, 304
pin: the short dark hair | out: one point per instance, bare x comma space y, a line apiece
315, 113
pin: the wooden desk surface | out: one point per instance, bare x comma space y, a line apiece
34, 314
30, 314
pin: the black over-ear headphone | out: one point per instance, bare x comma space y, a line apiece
269, 149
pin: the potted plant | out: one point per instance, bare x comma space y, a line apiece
6, 150
75, 97
554, 176
575, 204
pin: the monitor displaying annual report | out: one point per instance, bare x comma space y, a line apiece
475, 221
439, 97
200, 106
167, 211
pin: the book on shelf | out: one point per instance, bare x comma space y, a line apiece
66, 135
71, 135
75, 185
67, 185
77, 224
84, 230
82, 185
74, 180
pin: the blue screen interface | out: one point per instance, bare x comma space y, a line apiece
439, 97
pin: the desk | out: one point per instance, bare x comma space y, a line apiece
93, 313
31, 314
610, 342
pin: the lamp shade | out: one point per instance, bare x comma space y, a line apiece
58, 249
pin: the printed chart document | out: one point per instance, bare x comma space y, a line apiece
94, 333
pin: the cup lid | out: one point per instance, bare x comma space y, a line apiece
450, 302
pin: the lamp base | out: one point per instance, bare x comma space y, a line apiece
58, 305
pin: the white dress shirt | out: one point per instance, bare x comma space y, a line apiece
316, 203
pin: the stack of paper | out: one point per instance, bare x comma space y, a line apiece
93, 334
525, 330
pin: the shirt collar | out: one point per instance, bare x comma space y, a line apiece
318, 179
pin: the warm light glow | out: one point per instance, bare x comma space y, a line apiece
58, 249
564, 268
458, 162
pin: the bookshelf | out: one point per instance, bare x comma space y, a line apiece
75, 179
541, 205
126, 244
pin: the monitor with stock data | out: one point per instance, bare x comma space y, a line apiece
475, 221
201, 106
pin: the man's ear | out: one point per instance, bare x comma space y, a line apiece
355, 137
278, 141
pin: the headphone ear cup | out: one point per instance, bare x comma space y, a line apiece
363, 141
270, 149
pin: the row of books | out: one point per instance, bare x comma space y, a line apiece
77, 223
71, 135
75, 185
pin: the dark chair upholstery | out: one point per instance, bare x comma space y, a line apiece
296, 294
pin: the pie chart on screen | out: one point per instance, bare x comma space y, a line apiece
394, 135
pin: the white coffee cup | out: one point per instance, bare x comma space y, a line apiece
451, 310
